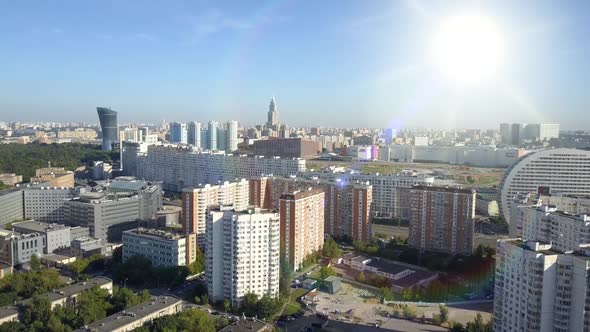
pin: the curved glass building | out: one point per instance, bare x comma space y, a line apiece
108, 125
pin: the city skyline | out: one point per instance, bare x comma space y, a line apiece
203, 61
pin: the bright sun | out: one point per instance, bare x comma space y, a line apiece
468, 48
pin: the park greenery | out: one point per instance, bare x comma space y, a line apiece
24, 159
331, 249
188, 320
18, 286
91, 305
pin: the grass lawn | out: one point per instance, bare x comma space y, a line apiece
291, 308
298, 293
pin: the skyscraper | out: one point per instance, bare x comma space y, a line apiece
232, 136
273, 115
178, 133
194, 134
212, 135
108, 125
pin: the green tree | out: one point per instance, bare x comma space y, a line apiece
479, 251
477, 325
409, 311
35, 263
386, 293
456, 327
55, 325
249, 304
443, 313
489, 251
226, 305
265, 307
285, 278
38, 310
124, 298
93, 305
198, 265
360, 277
331, 248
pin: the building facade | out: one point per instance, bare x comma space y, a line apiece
287, 147
47, 204
195, 202
178, 133
565, 171
55, 236
108, 126
178, 167
242, 253
538, 288
302, 225
442, 220
11, 205
162, 248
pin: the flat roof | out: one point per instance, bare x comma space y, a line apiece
38, 226
444, 189
9, 191
128, 185
125, 317
245, 325
387, 267
153, 233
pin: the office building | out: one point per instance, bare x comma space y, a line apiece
47, 204
287, 147
10, 179
54, 177
137, 316
516, 131
107, 214
222, 138
442, 219
108, 126
538, 288
212, 135
302, 225
82, 134
195, 202
272, 116
162, 248
78, 232
547, 131
16, 248
232, 136
242, 253
178, 167
194, 134
55, 236
505, 133
178, 134
565, 171
87, 246
11, 205
390, 135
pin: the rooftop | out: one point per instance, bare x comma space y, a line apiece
387, 267
246, 325
444, 189
72, 289
153, 233
37, 226
125, 317
9, 191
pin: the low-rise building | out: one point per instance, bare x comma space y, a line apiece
161, 248
54, 176
56, 236
247, 325
16, 249
86, 246
10, 179
137, 316
78, 232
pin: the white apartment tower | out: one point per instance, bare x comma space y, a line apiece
540, 289
195, 202
194, 134
232, 136
242, 253
212, 132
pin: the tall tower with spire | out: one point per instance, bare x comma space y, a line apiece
273, 115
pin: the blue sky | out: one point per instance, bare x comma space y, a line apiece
329, 63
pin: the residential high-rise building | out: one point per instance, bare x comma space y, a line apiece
565, 171
273, 115
195, 202
194, 134
161, 248
441, 219
222, 138
516, 133
548, 131
232, 136
108, 125
178, 133
242, 253
178, 168
347, 207
538, 288
212, 135
302, 225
